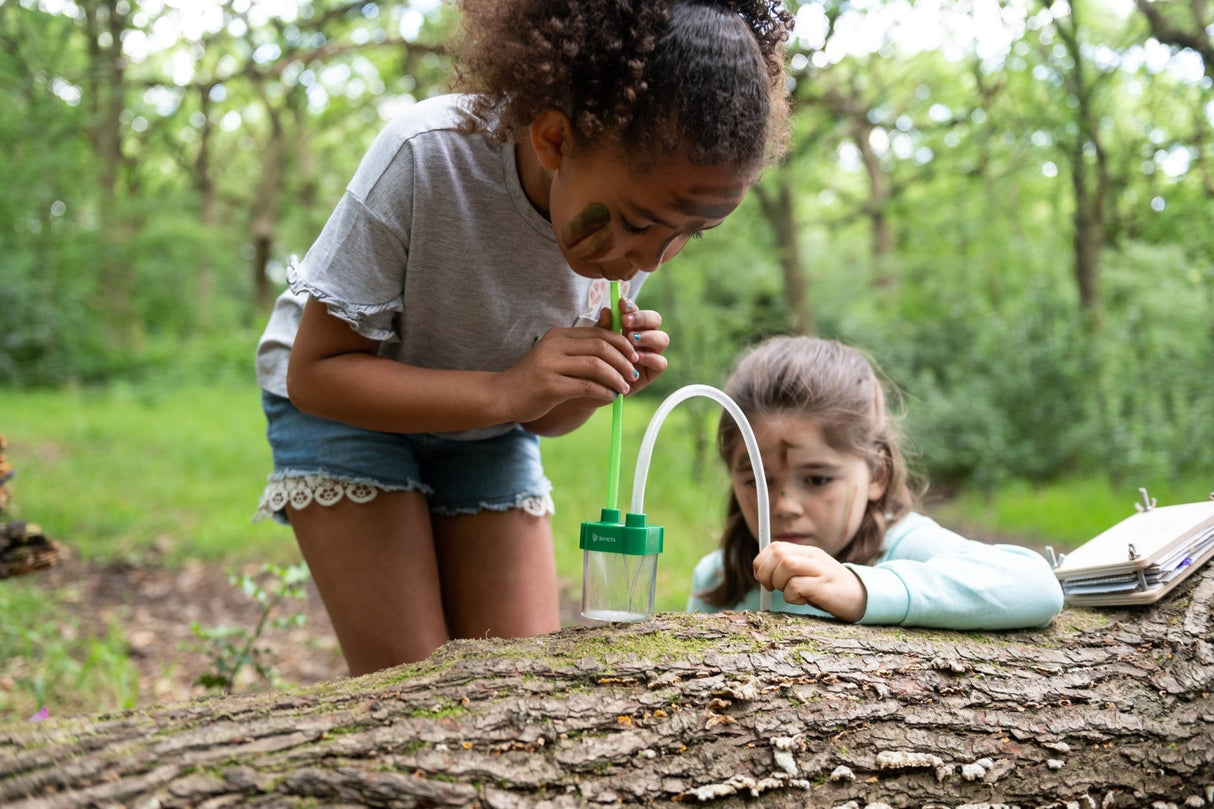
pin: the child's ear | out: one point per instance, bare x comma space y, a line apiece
879, 481
551, 137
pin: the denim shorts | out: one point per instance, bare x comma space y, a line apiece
318, 460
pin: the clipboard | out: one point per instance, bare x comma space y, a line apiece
1140, 559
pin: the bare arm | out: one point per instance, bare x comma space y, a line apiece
335, 373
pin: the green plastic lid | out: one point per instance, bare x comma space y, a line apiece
632, 536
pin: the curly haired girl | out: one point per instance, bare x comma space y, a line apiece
451, 311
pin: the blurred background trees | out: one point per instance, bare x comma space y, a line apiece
1010, 203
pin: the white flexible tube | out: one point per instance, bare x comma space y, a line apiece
752, 448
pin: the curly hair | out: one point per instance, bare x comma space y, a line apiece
839, 388
702, 76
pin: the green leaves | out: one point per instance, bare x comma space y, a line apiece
231, 650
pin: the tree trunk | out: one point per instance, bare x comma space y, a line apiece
105, 22
104, 25
204, 185
1088, 222
777, 206
878, 197
264, 219
1090, 178
1103, 709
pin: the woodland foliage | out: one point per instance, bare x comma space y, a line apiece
1009, 206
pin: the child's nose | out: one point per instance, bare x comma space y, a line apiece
782, 503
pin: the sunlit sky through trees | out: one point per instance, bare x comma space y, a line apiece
169, 31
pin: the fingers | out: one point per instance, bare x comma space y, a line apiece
597, 357
780, 563
805, 574
643, 329
593, 363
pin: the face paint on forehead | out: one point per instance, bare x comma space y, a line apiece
709, 211
726, 199
594, 218
774, 456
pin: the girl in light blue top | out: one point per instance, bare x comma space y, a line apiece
846, 541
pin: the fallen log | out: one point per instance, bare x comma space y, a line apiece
24, 549
23, 546
1105, 708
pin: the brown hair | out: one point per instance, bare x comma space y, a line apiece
839, 388
702, 76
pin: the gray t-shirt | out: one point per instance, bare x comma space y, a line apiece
435, 251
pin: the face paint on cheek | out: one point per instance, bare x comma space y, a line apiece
851, 498
597, 245
594, 218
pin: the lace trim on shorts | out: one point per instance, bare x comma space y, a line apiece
300, 491
537, 505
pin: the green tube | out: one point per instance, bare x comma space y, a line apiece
617, 416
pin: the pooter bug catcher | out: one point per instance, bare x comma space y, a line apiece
620, 559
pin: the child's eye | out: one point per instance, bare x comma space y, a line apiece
631, 228
818, 480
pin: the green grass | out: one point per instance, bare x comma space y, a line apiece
112, 471
1063, 514
48, 657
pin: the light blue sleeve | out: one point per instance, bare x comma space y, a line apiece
709, 572
932, 577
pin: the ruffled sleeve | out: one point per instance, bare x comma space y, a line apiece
356, 268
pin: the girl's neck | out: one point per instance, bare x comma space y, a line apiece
534, 178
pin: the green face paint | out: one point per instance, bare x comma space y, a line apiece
593, 219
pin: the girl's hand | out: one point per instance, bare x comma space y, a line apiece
571, 372
809, 575
643, 328
582, 366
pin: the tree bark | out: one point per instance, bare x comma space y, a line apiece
1107, 708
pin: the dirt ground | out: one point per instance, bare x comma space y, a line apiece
156, 605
